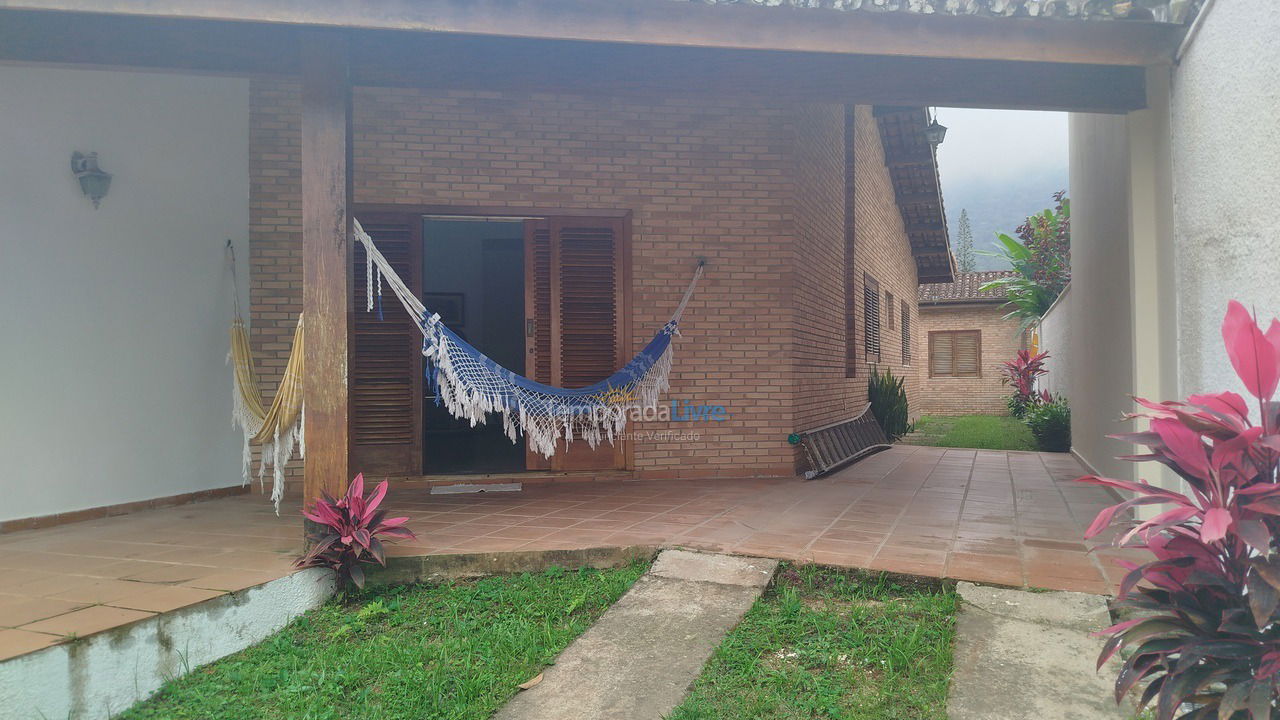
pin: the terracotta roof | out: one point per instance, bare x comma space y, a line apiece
1173, 11
964, 289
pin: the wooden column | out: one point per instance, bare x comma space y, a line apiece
326, 260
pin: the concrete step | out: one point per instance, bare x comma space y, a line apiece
638, 660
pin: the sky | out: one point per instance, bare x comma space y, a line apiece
1000, 165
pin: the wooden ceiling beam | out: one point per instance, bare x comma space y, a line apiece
694, 24
456, 61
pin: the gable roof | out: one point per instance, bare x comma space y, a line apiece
1163, 11
965, 289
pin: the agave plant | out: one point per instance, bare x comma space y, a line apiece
888, 397
1205, 642
352, 531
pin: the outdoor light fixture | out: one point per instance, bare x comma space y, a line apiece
94, 182
936, 132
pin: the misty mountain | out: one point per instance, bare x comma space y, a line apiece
998, 205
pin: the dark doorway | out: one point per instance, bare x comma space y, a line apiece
473, 276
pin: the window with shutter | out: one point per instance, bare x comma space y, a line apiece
871, 317
906, 333
889, 309
386, 377
955, 353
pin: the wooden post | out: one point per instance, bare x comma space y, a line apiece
326, 260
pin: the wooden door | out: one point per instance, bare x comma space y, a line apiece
575, 327
386, 374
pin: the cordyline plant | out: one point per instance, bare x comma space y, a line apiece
1021, 372
1205, 640
352, 531
1041, 259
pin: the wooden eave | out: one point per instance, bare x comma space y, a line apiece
917, 189
742, 26
782, 54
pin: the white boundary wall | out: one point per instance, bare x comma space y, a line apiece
105, 674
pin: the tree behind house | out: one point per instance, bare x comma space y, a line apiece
965, 260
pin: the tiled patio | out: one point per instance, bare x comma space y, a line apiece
1005, 518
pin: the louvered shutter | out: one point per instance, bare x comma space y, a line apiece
871, 316
537, 263
955, 353
386, 377
967, 354
906, 333
586, 318
575, 321
941, 355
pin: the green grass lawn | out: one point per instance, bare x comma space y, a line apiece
825, 643
988, 432
453, 651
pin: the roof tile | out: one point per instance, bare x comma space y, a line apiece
965, 289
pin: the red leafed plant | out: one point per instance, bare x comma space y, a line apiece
1205, 637
352, 530
1021, 372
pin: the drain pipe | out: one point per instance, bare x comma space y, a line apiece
1192, 31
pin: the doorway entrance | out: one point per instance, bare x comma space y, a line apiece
543, 295
473, 276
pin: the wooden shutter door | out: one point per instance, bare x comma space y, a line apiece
968, 354
537, 309
386, 373
575, 302
941, 354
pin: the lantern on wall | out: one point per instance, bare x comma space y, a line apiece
94, 182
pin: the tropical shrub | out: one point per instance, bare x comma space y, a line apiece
888, 399
1050, 423
351, 533
1021, 373
1205, 642
1041, 258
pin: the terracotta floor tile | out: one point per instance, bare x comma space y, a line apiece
21, 611
97, 591
233, 580
20, 642
985, 568
163, 598
171, 573
87, 621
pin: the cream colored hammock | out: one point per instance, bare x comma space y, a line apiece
277, 429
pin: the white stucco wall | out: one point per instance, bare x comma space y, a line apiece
1100, 353
114, 321
1225, 114
1056, 339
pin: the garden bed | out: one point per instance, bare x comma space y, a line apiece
832, 643
983, 432
455, 650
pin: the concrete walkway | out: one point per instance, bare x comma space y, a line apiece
1029, 656
638, 660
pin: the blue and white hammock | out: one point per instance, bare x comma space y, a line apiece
470, 385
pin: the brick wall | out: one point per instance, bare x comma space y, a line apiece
1001, 340
722, 179
882, 252
824, 393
